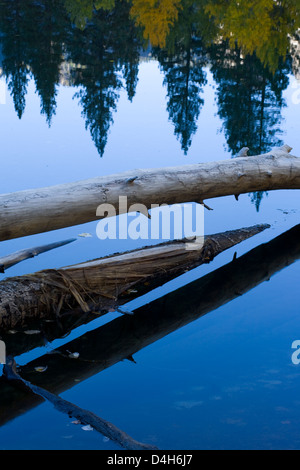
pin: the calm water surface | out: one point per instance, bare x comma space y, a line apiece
84, 94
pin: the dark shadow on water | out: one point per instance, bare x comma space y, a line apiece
121, 338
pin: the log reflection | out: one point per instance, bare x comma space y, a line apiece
126, 335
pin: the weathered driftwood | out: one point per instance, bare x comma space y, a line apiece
99, 283
84, 416
14, 258
40, 210
121, 338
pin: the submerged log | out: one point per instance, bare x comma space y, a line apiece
121, 338
98, 284
14, 258
86, 417
40, 210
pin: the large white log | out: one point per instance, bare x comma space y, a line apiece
40, 210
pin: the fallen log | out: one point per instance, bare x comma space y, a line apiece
40, 210
14, 258
121, 338
98, 284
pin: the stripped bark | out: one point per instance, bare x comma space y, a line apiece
41, 210
98, 284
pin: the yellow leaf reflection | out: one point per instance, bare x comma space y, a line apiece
156, 17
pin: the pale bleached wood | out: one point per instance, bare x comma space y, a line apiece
41, 210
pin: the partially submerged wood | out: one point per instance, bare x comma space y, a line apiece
98, 284
41, 210
14, 258
121, 338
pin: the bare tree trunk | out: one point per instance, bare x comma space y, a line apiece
41, 210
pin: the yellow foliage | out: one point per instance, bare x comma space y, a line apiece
156, 17
260, 26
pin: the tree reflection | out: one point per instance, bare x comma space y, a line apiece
39, 40
81, 11
13, 28
94, 45
32, 36
156, 18
249, 98
182, 60
105, 51
263, 27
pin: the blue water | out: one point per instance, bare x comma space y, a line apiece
224, 381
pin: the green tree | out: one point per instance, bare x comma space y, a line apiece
45, 45
14, 32
182, 61
32, 36
81, 11
249, 98
106, 51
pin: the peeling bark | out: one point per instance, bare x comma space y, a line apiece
98, 284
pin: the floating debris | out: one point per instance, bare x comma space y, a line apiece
85, 235
88, 427
40, 368
32, 332
74, 355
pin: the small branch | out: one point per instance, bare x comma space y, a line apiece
131, 180
243, 152
206, 206
286, 148
15, 258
